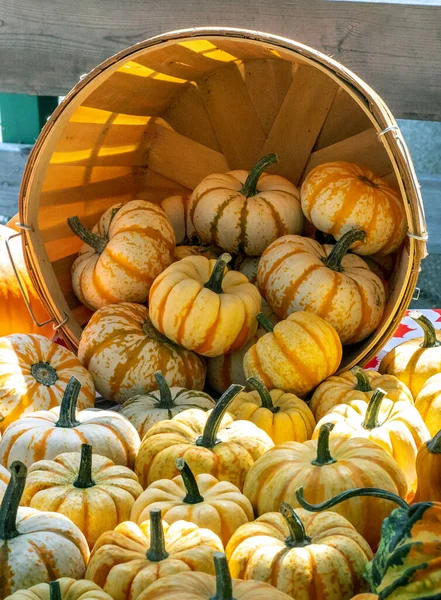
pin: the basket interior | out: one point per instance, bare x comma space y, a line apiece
158, 121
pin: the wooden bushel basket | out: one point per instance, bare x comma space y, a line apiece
155, 119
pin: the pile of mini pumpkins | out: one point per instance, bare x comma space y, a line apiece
286, 485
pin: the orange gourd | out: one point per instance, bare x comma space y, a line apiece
428, 470
428, 403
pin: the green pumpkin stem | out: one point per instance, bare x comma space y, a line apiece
297, 535
430, 339
157, 551
84, 479
373, 410
333, 261
265, 322
54, 590
264, 394
209, 438
11, 501
217, 275
68, 406
323, 453
249, 188
347, 495
224, 583
95, 241
434, 445
191, 487
363, 383
165, 397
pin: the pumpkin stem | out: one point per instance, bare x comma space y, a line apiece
323, 454
434, 445
157, 551
297, 534
54, 590
224, 583
373, 409
333, 261
249, 188
191, 487
209, 438
430, 339
265, 322
217, 275
95, 241
44, 373
11, 501
363, 383
165, 397
265, 396
347, 495
84, 479
68, 406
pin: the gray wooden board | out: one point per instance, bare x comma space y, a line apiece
396, 48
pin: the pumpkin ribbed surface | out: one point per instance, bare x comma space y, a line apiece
428, 469
176, 209
428, 403
71, 589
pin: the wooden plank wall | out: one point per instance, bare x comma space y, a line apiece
45, 46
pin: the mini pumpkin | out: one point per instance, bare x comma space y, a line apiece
297, 273
65, 588
144, 410
36, 546
339, 196
200, 306
242, 211
428, 403
283, 416
302, 554
395, 426
88, 488
46, 434
128, 247
176, 209
123, 351
201, 499
325, 467
208, 442
356, 384
414, 361
295, 355
34, 375
428, 470
126, 561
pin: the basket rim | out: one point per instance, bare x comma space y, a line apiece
368, 100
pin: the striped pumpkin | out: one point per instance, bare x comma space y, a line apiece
123, 351
34, 374
340, 196
297, 273
69, 589
176, 209
242, 211
129, 246
202, 307
4, 478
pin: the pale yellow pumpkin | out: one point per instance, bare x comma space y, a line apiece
88, 488
34, 373
295, 355
203, 308
210, 442
47, 433
123, 351
340, 196
283, 416
357, 384
297, 273
126, 561
428, 403
242, 211
69, 589
303, 554
176, 209
128, 247
395, 426
201, 499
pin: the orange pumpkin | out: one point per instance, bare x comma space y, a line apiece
176, 209
34, 376
428, 470
297, 273
15, 317
128, 247
64, 588
339, 196
428, 403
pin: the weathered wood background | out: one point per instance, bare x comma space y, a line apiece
46, 45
